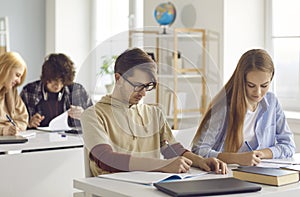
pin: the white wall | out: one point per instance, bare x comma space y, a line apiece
26, 32
68, 31
243, 30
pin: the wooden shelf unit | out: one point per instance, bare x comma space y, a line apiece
195, 72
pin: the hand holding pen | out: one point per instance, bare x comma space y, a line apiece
11, 129
251, 158
180, 163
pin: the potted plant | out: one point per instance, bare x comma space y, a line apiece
107, 68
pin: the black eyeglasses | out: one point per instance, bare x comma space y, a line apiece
139, 87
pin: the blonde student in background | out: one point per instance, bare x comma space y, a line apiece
122, 134
244, 122
13, 113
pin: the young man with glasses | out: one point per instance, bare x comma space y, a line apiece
121, 134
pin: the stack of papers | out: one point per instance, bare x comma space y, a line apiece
27, 134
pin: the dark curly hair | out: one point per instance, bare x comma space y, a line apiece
58, 66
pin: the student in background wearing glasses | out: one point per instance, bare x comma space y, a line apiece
245, 123
55, 93
123, 135
13, 113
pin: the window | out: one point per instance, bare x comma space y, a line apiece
111, 18
110, 21
285, 45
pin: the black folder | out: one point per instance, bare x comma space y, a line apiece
12, 139
207, 187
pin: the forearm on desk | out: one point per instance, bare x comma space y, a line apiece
229, 158
267, 153
196, 159
111, 161
108, 160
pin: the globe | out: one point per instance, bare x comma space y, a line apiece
165, 14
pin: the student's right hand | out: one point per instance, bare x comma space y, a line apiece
10, 130
178, 165
250, 158
35, 120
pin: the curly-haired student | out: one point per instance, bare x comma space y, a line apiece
55, 93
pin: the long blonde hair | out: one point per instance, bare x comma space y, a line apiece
8, 61
234, 96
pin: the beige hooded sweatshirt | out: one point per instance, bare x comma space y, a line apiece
120, 137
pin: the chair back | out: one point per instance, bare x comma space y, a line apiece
87, 169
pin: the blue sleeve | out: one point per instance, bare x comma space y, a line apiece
211, 141
285, 145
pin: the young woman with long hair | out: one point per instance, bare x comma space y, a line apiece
12, 74
245, 123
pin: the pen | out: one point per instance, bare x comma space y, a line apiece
248, 145
10, 120
170, 147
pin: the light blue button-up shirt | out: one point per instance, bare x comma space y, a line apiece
271, 131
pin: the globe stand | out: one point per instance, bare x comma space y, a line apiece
164, 27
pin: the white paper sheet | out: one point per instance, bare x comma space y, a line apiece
59, 123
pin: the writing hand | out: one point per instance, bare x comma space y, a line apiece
250, 158
10, 130
178, 165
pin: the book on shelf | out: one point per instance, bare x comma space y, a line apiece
148, 178
268, 176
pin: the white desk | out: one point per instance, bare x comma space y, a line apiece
44, 166
112, 188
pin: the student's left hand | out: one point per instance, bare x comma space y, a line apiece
213, 164
75, 112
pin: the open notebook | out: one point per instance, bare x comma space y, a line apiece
59, 123
148, 178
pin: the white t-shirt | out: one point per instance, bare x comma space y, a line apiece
248, 130
249, 123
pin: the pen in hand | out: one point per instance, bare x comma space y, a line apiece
248, 145
10, 120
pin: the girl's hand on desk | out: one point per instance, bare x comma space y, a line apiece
10, 130
213, 164
178, 165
